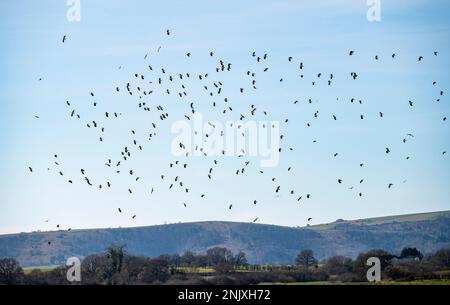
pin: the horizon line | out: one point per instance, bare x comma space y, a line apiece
224, 221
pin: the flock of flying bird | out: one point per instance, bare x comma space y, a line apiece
142, 87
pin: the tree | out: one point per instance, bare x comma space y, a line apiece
155, 270
175, 260
134, 265
306, 258
188, 259
201, 261
411, 253
104, 268
441, 258
218, 255
56, 276
115, 255
338, 265
223, 268
360, 264
240, 259
10, 271
94, 269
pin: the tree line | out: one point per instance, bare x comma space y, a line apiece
221, 266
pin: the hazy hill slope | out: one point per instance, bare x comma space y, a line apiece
262, 243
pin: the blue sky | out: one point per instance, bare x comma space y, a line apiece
319, 34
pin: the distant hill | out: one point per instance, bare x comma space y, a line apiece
262, 243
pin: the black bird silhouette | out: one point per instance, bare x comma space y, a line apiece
164, 81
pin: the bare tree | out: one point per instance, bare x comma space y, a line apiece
338, 265
240, 259
306, 258
10, 271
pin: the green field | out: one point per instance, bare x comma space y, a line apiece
27, 270
196, 270
386, 219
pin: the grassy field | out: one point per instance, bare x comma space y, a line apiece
27, 270
387, 219
196, 270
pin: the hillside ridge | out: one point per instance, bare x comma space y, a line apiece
263, 243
